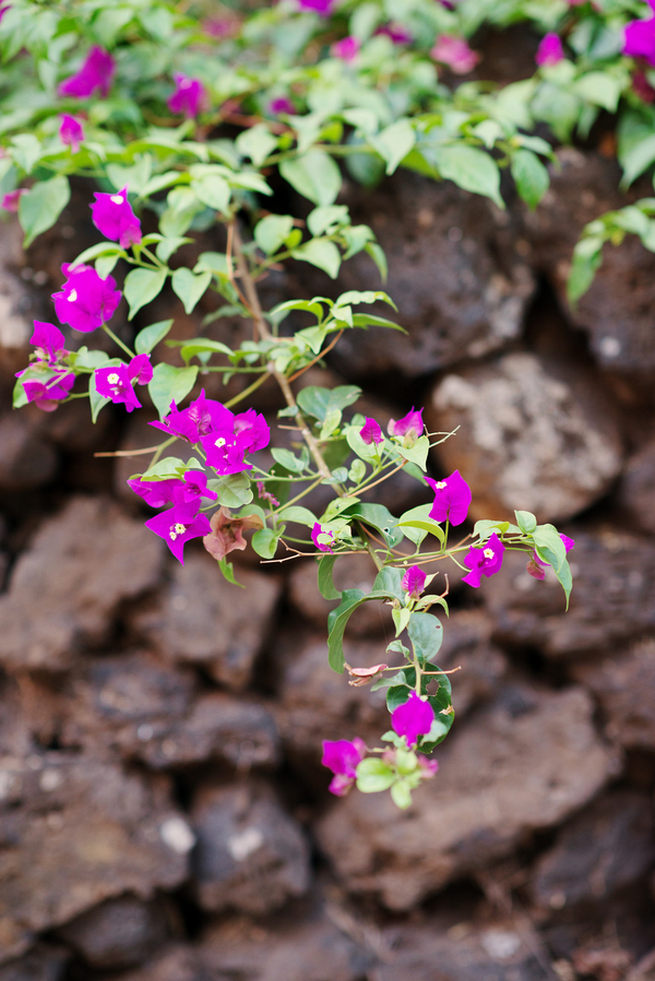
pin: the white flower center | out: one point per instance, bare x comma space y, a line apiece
489, 553
441, 485
175, 530
116, 199
220, 442
72, 296
113, 378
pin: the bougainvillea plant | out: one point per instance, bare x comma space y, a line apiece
180, 123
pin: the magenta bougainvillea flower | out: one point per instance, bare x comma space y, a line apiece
49, 342
455, 53
113, 217
86, 301
413, 581
410, 425
347, 48
639, 38
484, 561
156, 493
550, 50
228, 443
413, 718
116, 382
452, 498
3, 9
190, 490
281, 104
342, 756
322, 7
47, 395
371, 432
178, 525
537, 567
203, 416
96, 74
11, 198
71, 131
189, 97
396, 33
321, 538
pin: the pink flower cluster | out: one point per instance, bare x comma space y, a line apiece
225, 438
411, 720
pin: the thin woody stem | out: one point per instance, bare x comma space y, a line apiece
254, 306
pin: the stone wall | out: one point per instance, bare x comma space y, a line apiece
164, 813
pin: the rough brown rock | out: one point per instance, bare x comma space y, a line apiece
611, 601
119, 933
606, 848
443, 949
307, 948
250, 856
454, 267
635, 490
176, 962
202, 619
152, 711
529, 437
43, 963
66, 587
28, 458
75, 832
521, 765
623, 684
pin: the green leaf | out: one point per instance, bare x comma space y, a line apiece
531, 177
141, 286
526, 521
326, 585
317, 402
227, 570
417, 453
213, 190
337, 621
417, 523
322, 253
378, 517
587, 257
189, 286
233, 491
96, 401
265, 542
636, 144
401, 794
374, 775
302, 516
170, 384
315, 175
41, 205
394, 143
203, 346
471, 169
426, 634
288, 460
257, 143
599, 88
148, 338
271, 232
325, 219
